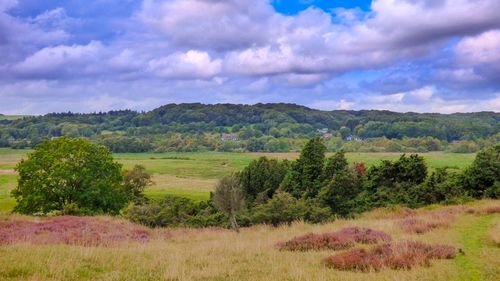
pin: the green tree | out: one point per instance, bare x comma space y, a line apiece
135, 181
229, 199
482, 178
441, 186
393, 182
340, 192
304, 178
67, 173
335, 164
345, 132
262, 177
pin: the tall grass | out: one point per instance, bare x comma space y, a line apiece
219, 254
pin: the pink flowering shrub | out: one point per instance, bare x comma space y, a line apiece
365, 235
342, 239
401, 255
85, 231
419, 226
316, 242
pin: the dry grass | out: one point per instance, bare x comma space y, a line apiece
8, 172
484, 210
165, 182
494, 233
219, 254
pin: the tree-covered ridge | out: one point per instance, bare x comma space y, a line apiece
269, 127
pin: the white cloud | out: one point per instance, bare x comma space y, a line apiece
246, 49
62, 60
484, 48
419, 95
190, 65
332, 104
210, 24
5, 5
387, 99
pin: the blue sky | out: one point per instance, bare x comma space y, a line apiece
401, 55
293, 7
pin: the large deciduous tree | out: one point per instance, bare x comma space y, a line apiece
71, 176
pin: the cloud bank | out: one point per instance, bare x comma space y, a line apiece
402, 55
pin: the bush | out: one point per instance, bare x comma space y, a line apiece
71, 175
262, 177
401, 255
440, 187
339, 193
482, 178
418, 226
173, 211
393, 182
135, 181
365, 235
282, 208
342, 239
317, 242
84, 231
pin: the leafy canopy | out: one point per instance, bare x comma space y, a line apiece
69, 174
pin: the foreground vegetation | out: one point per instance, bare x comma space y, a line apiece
220, 254
72, 176
385, 243
316, 188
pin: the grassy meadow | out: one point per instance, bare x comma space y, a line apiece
193, 174
220, 254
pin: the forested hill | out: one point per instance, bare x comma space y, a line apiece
259, 123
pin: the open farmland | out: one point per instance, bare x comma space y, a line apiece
193, 175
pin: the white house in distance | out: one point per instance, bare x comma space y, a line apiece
323, 131
227, 137
353, 138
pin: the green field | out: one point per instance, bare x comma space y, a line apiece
193, 175
11, 117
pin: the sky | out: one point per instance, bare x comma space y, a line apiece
400, 55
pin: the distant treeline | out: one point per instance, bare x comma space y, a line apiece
260, 127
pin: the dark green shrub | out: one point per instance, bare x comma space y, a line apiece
305, 176
173, 211
262, 177
282, 208
339, 193
482, 178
